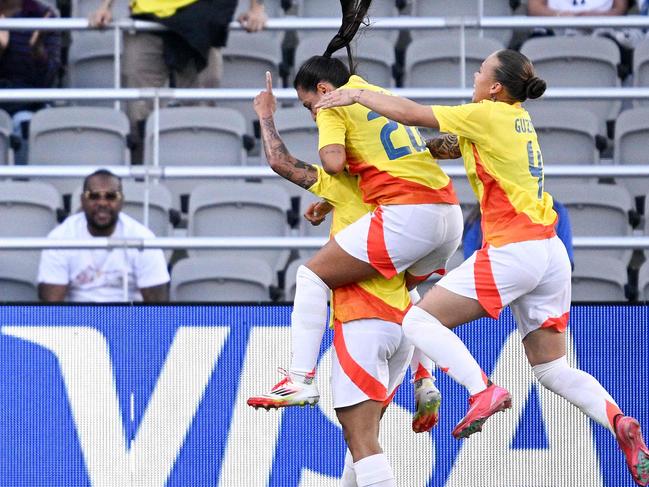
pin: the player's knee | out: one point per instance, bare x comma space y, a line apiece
306, 276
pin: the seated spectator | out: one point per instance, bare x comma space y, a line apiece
28, 59
102, 275
472, 237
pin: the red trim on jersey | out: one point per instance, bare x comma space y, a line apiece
382, 188
352, 302
387, 402
559, 323
501, 222
485, 284
612, 410
377, 252
359, 376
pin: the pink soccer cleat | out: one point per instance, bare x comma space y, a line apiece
481, 406
629, 437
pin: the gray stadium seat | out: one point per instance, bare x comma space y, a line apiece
597, 278
91, 62
374, 56
159, 204
245, 62
462, 8
18, 272
435, 61
78, 136
299, 132
289, 279
197, 136
237, 209
631, 142
27, 209
577, 61
6, 128
641, 68
643, 282
591, 204
83, 8
566, 135
225, 279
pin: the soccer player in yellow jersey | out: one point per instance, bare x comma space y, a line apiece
522, 263
371, 354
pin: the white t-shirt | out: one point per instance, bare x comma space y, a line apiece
580, 5
97, 275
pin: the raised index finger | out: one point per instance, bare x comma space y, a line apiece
269, 82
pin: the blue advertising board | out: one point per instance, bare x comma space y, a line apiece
125, 395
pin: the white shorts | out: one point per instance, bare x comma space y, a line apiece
371, 359
393, 238
533, 277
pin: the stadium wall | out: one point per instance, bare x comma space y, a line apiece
155, 395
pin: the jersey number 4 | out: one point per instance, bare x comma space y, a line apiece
386, 132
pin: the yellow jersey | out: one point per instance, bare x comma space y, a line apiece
391, 160
504, 165
373, 298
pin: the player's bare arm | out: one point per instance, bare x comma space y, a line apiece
445, 146
334, 158
277, 155
395, 108
155, 294
52, 293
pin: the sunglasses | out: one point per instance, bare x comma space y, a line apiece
105, 195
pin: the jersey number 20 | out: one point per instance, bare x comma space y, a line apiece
386, 131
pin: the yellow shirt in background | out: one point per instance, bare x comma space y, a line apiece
159, 8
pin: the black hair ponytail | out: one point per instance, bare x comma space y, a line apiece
354, 13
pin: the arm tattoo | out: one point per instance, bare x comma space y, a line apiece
444, 147
280, 159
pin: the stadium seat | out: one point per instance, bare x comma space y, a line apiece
597, 278
238, 209
6, 129
435, 62
197, 136
566, 135
221, 279
18, 273
91, 62
245, 62
641, 68
289, 279
596, 210
631, 142
643, 282
78, 136
27, 209
374, 56
466, 196
577, 61
462, 8
83, 8
159, 205
331, 8
299, 133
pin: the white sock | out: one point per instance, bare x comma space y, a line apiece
445, 348
579, 388
374, 471
308, 321
349, 475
